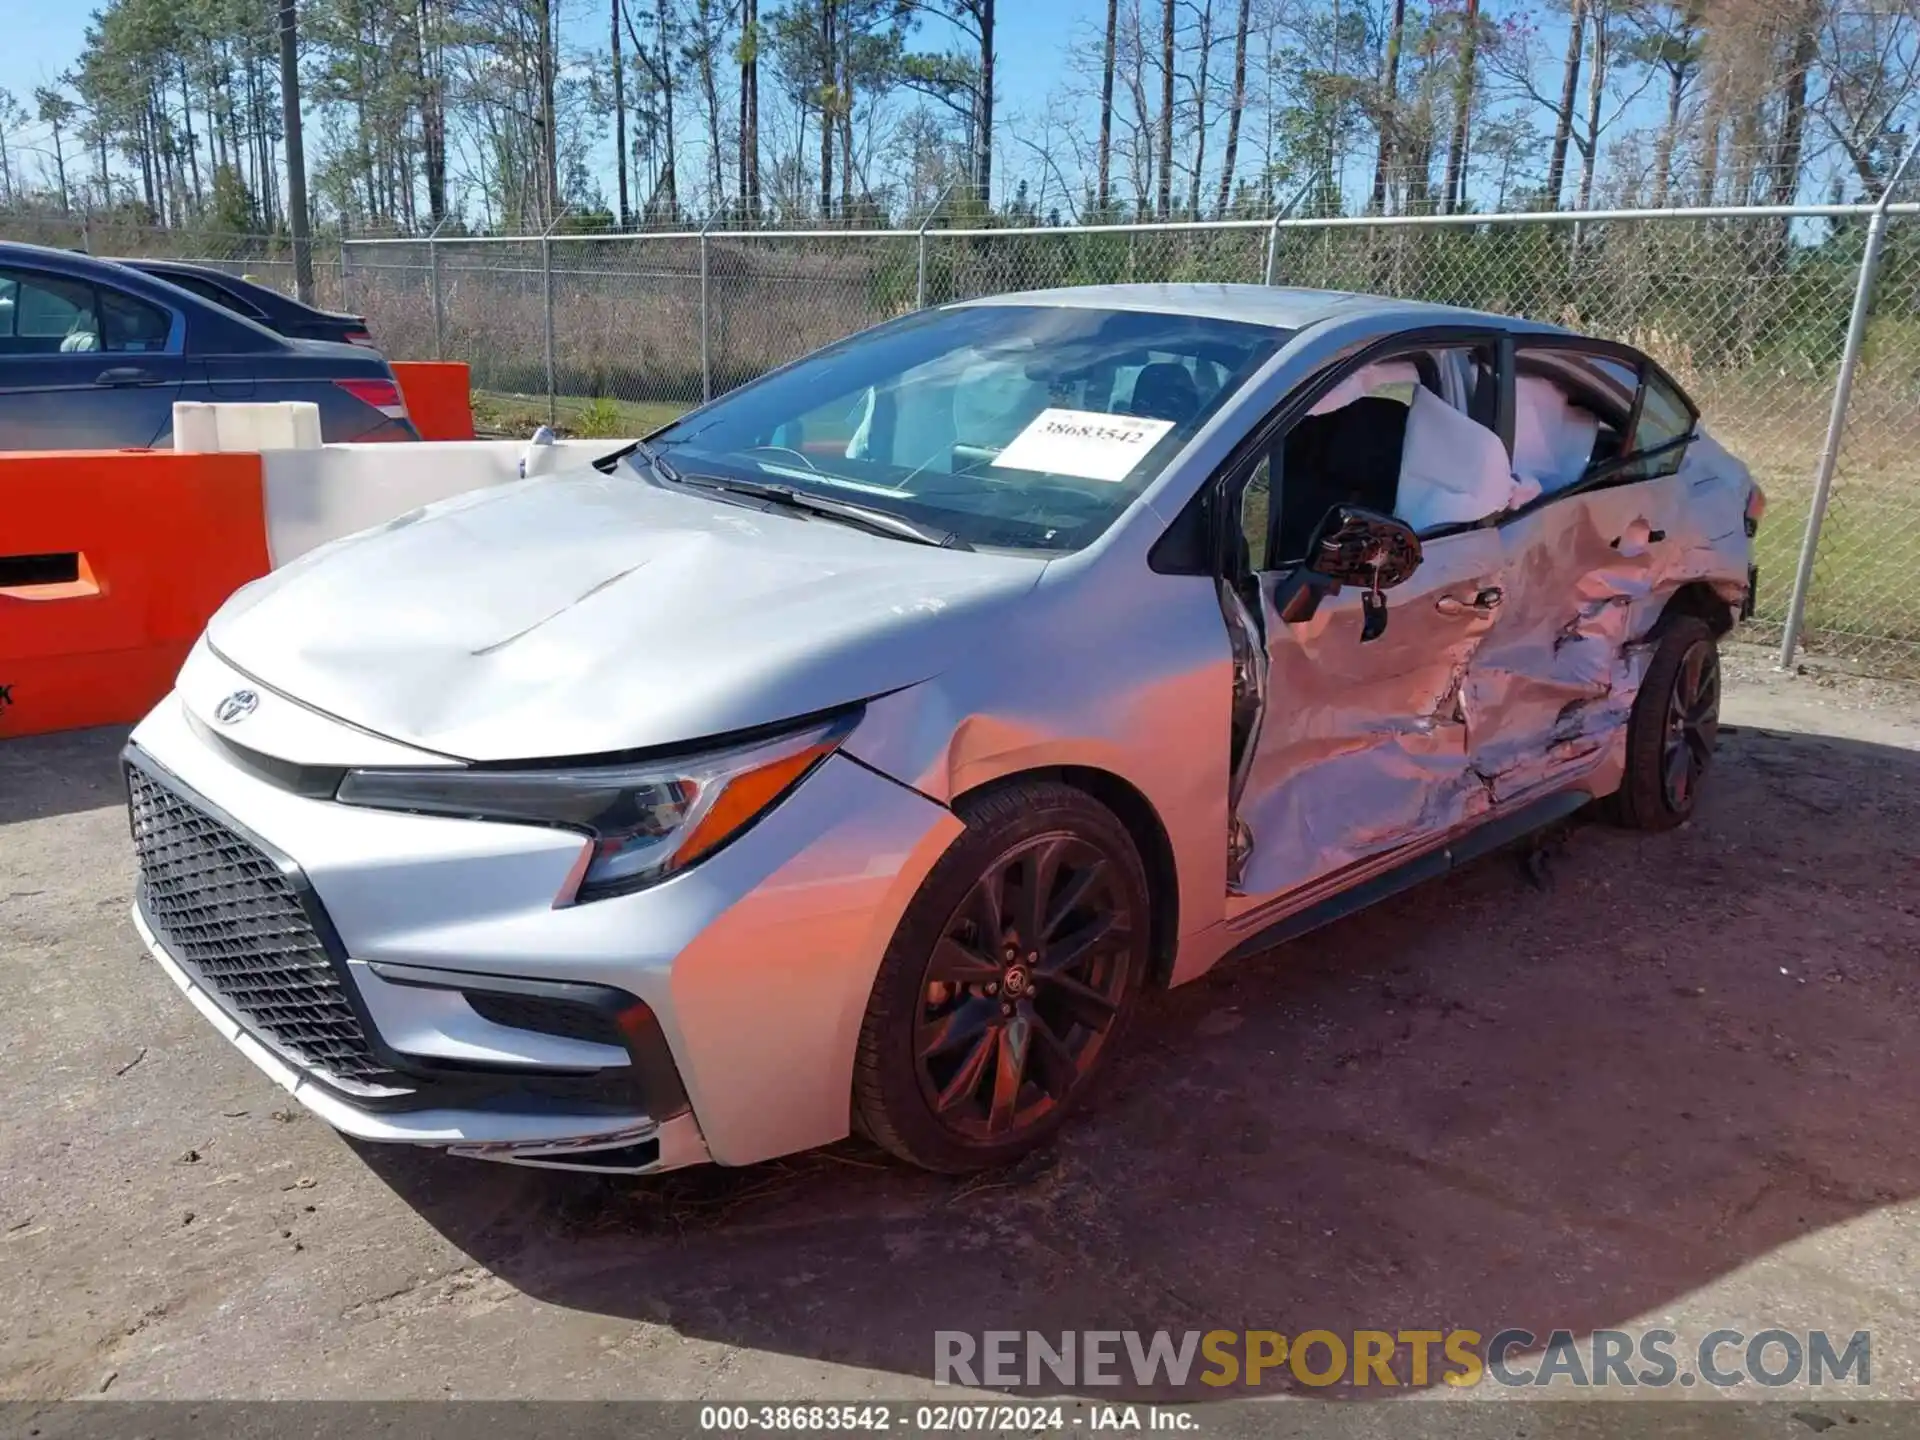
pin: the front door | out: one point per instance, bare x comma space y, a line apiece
82, 366
1362, 745
1363, 748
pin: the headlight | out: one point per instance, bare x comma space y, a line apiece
646, 820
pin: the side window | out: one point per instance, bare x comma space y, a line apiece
1572, 413
1561, 427
1385, 438
128, 324
1666, 424
47, 315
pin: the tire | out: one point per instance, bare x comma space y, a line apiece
950, 1012
1673, 728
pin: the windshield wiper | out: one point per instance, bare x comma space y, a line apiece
884, 522
607, 464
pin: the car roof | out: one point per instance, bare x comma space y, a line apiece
1280, 307
270, 300
78, 265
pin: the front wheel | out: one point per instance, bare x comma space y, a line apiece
1673, 729
1008, 983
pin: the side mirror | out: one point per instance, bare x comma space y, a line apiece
1352, 546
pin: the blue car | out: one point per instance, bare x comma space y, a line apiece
93, 355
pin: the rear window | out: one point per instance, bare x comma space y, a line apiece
219, 295
1666, 424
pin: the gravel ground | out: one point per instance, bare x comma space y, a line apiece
1669, 1084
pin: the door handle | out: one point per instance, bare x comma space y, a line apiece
1485, 602
126, 375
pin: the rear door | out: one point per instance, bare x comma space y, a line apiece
84, 365
1552, 683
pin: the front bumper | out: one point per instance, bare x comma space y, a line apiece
630, 1144
757, 964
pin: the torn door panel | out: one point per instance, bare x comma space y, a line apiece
1549, 693
1366, 744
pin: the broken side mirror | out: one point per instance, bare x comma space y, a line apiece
1352, 546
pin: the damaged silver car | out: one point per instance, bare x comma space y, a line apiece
861, 751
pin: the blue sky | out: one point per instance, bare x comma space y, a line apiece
44, 38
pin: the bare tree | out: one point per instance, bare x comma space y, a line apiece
1666, 36
749, 54
1104, 190
1870, 66
1455, 196
1563, 114
619, 117
1165, 208
1236, 108
57, 111
1389, 106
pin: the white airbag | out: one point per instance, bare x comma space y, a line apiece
1452, 469
1552, 437
1364, 381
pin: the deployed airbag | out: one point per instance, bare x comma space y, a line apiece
1553, 438
1452, 469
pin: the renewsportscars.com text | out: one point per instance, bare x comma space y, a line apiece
1414, 1358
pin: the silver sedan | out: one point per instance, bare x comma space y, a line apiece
865, 748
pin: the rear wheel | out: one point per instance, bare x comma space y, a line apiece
1008, 983
1673, 730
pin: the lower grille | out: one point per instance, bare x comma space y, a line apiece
227, 912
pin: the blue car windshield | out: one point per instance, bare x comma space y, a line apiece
1027, 427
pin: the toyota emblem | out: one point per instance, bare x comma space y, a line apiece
236, 707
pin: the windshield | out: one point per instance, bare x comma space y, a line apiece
1009, 426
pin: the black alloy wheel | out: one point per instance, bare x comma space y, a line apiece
1008, 983
1023, 987
1693, 724
1673, 728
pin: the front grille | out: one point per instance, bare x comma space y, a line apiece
228, 913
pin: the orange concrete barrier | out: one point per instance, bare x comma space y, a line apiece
111, 563
439, 397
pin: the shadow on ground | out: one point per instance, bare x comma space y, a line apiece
1487, 1103
42, 776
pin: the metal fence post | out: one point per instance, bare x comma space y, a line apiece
346, 263
1837, 418
546, 285
1273, 231
706, 327
439, 305
920, 246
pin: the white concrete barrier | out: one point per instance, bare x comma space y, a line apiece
316, 495
267, 425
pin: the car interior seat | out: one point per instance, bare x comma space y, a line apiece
83, 334
1349, 456
1164, 391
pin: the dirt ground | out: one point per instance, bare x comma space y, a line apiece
1672, 1083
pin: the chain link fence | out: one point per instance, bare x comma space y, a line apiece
267, 259
616, 334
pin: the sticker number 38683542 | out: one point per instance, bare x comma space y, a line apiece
1083, 443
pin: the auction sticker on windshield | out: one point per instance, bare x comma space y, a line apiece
1083, 443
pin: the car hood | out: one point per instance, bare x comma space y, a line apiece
585, 614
